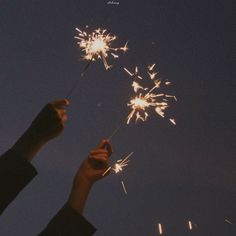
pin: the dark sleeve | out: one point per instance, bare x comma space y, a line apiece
68, 222
15, 173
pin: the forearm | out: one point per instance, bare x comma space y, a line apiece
28, 145
79, 195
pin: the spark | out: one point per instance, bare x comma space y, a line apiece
119, 165
135, 74
123, 186
190, 225
137, 86
172, 121
171, 96
151, 67
98, 45
160, 229
146, 98
152, 75
228, 221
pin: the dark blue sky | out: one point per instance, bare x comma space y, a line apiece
176, 173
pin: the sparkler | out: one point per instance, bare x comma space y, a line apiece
118, 167
146, 98
96, 45
120, 164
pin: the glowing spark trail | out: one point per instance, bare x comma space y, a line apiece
97, 45
229, 222
160, 230
119, 165
190, 225
148, 98
123, 186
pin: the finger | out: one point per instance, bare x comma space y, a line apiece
98, 151
60, 103
108, 147
64, 118
104, 144
61, 112
99, 156
98, 163
101, 144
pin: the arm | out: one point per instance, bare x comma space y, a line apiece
15, 168
69, 220
89, 172
48, 124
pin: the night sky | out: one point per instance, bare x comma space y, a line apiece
177, 173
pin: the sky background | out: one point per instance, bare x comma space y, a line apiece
177, 173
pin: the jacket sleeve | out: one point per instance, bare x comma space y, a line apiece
15, 173
68, 222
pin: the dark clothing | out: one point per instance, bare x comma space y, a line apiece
68, 222
15, 173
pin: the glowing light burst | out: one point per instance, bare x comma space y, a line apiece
98, 45
147, 98
119, 165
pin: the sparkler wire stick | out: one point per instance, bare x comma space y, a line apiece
114, 132
77, 80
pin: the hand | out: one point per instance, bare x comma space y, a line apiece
89, 172
49, 123
93, 167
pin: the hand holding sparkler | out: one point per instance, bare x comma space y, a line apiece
48, 124
94, 165
89, 172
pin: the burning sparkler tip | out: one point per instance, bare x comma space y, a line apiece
97, 45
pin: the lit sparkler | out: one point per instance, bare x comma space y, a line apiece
98, 45
119, 165
148, 98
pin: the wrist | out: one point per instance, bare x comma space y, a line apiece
79, 193
28, 145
